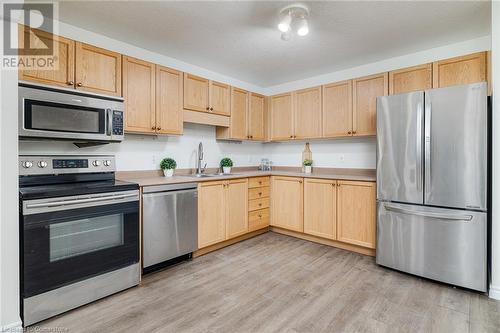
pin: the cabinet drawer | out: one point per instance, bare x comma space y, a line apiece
258, 219
258, 182
258, 192
258, 204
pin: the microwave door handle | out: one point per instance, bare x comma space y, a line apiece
109, 121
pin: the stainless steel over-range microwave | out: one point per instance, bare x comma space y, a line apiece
64, 114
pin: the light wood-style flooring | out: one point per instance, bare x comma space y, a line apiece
276, 283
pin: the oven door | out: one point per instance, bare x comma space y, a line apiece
65, 240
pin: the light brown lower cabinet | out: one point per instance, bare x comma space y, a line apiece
287, 203
356, 213
320, 208
222, 211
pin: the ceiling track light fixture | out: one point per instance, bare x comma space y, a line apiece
293, 16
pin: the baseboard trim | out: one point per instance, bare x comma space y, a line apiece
324, 241
494, 292
13, 327
232, 241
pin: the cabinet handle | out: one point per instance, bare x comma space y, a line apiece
159, 128
70, 83
211, 109
353, 132
79, 84
291, 136
349, 132
260, 216
260, 193
300, 181
251, 136
153, 128
260, 183
208, 108
260, 205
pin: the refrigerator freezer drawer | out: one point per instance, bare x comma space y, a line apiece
447, 245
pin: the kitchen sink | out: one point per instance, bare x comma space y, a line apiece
205, 175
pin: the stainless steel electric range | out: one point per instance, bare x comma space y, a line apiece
79, 233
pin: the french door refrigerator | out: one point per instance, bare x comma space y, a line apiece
432, 151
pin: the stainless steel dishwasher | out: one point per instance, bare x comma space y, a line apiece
170, 223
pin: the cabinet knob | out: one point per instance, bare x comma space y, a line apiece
208, 108
158, 128
70, 83
300, 181
260, 205
260, 216
79, 84
349, 132
260, 182
353, 132
260, 193
251, 136
211, 109
153, 128
291, 136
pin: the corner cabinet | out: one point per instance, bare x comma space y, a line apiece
356, 216
365, 93
287, 200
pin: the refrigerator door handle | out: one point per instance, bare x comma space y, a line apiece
419, 147
453, 217
428, 115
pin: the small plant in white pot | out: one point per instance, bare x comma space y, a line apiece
226, 163
308, 166
168, 166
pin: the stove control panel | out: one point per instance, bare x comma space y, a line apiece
53, 165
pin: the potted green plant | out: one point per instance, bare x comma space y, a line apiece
168, 166
308, 166
226, 163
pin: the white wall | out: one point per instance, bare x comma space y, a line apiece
495, 246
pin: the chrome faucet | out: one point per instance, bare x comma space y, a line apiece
199, 169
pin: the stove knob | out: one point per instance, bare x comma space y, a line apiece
107, 163
96, 163
42, 164
27, 164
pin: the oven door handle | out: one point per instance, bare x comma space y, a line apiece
81, 201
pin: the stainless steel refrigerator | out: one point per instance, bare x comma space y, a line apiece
432, 174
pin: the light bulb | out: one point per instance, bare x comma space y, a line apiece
284, 25
303, 27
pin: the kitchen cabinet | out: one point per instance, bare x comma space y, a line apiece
236, 196
63, 73
287, 203
320, 208
337, 109
139, 94
169, 97
258, 203
460, 70
356, 217
365, 93
98, 70
256, 114
212, 213
410, 79
307, 113
281, 117
204, 95
237, 129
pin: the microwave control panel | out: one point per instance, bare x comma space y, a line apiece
117, 122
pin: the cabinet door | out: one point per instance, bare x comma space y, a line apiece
320, 207
281, 117
307, 116
337, 109
410, 79
237, 208
365, 93
169, 100
220, 98
356, 213
239, 111
211, 213
195, 93
287, 203
256, 117
98, 70
139, 94
63, 73
459, 70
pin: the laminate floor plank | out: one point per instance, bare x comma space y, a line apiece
276, 283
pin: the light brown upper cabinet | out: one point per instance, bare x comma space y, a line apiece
410, 79
307, 113
169, 92
365, 93
139, 94
63, 73
460, 70
203, 95
237, 129
356, 213
320, 207
281, 117
256, 117
337, 109
98, 70
287, 203
77, 65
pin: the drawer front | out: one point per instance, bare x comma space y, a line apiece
258, 192
258, 182
258, 219
258, 204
